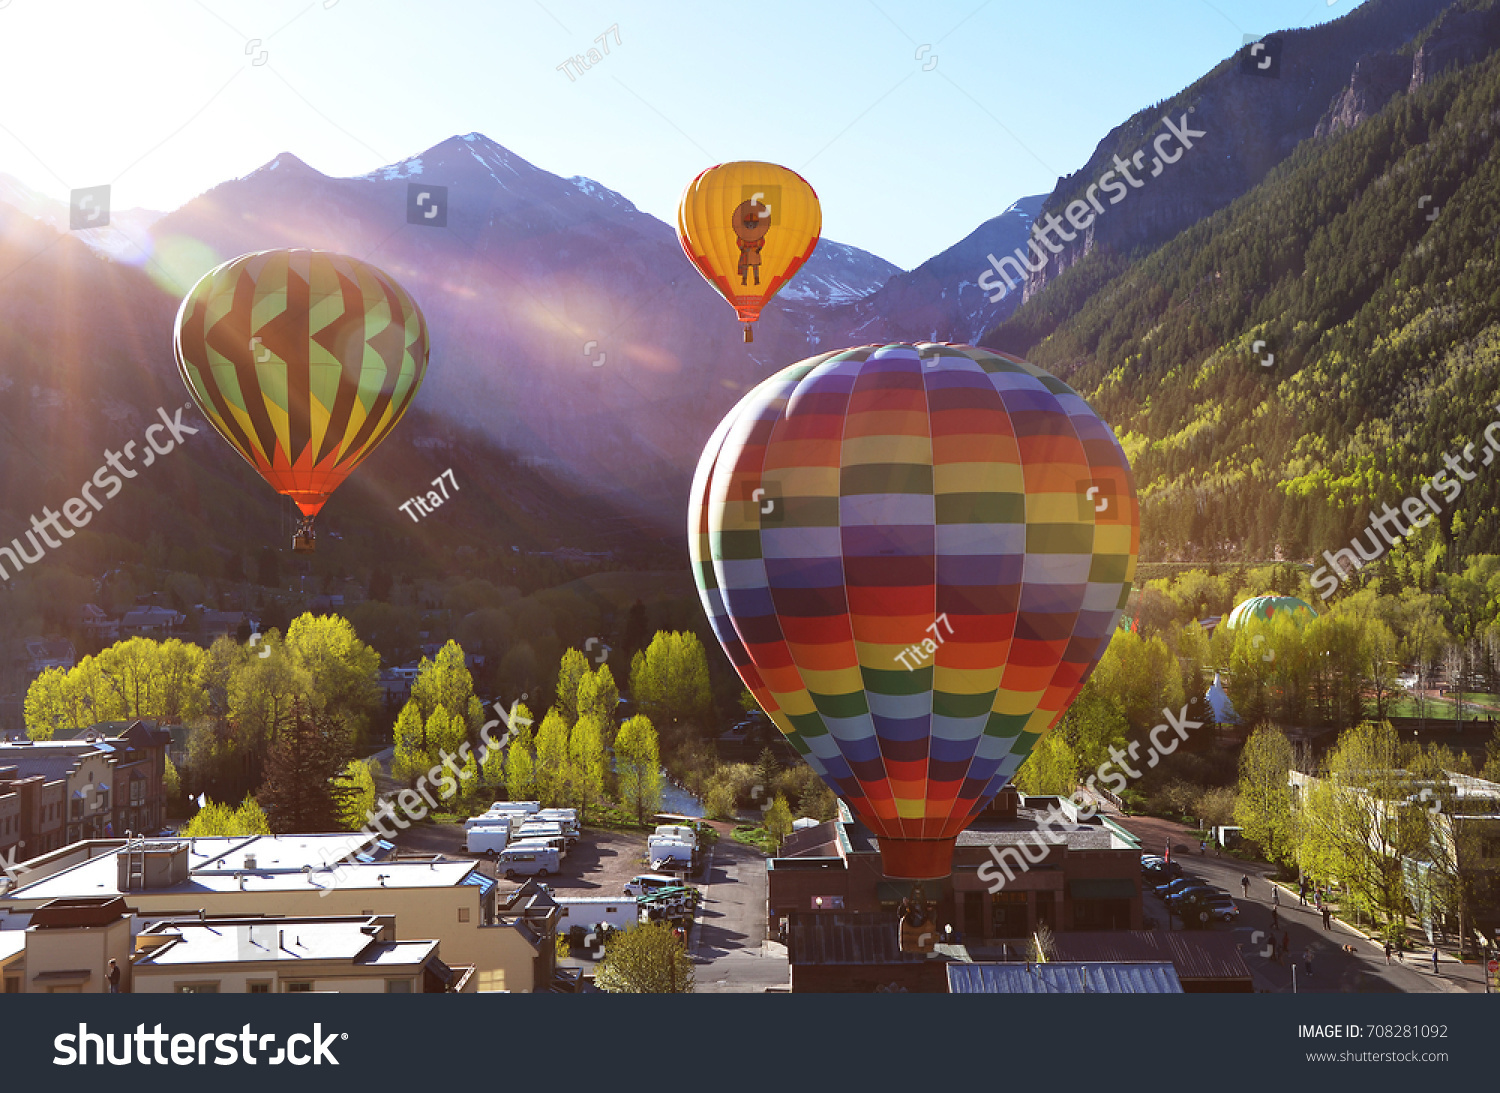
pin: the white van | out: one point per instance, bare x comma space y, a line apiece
527, 861
552, 842
620, 912
528, 807
486, 840
535, 830
489, 819
644, 884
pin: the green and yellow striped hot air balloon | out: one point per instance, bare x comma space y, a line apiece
303, 360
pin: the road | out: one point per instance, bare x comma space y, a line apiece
729, 943
1333, 968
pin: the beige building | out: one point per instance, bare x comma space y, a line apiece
306, 876
290, 956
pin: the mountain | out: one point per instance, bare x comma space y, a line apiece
1249, 119
124, 239
1325, 344
940, 300
566, 324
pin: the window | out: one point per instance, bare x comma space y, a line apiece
298, 988
260, 986
196, 988
398, 986
12, 984
463, 914
138, 791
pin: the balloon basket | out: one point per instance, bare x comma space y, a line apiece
304, 544
749, 334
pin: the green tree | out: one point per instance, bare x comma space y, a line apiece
647, 959
554, 775
444, 681
411, 758
342, 669
1264, 806
172, 785
445, 734
215, 819
669, 680
574, 667
1355, 821
588, 761
599, 697
303, 792
779, 820
638, 767
1051, 768
520, 765
359, 779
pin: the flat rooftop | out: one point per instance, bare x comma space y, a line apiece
282, 941
219, 865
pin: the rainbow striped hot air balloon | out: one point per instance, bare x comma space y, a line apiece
303, 360
914, 555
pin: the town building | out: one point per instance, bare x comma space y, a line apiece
101, 785
45, 653
1047, 863
306, 876
343, 955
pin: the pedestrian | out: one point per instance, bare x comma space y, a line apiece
1202, 847
1434, 960
114, 977
1401, 950
1274, 919
1387, 950
1307, 962
1327, 917
1276, 895
1245, 885
1302, 892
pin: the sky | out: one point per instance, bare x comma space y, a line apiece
915, 120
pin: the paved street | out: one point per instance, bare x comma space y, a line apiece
729, 943
1333, 969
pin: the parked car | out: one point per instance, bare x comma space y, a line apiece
1168, 888
1221, 907
1160, 872
1194, 894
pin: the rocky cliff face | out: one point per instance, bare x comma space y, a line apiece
1251, 119
1376, 78
1461, 38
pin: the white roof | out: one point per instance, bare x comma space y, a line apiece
218, 865
281, 940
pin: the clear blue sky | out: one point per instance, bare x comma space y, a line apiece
163, 98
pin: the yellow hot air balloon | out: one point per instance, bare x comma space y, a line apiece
748, 227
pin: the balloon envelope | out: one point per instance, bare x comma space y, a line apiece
748, 227
1267, 607
914, 556
303, 360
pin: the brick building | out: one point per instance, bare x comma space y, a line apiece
1088, 879
62, 791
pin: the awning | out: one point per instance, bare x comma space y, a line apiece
1101, 889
